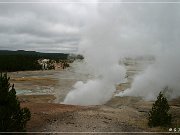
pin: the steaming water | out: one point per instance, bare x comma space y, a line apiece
63, 81
57, 83
99, 91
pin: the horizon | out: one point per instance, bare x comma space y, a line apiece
39, 51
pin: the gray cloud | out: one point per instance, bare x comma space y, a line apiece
42, 27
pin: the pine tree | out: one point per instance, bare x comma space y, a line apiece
13, 118
159, 115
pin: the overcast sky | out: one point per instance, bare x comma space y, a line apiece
45, 27
52, 27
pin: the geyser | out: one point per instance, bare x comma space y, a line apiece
165, 72
96, 91
115, 31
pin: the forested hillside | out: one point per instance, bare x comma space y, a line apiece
25, 60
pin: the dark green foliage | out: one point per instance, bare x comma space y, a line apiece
21, 60
159, 115
54, 56
13, 118
79, 56
50, 64
65, 65
10, 63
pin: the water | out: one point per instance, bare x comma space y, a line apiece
23, 92
52, 82
60, 82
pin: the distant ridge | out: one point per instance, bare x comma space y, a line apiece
20, 60
34, 53
9, 52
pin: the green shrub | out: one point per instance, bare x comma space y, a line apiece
13, 118
159, 115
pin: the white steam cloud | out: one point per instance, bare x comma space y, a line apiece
165, 72
116, 31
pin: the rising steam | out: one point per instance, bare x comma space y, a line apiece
117, 31
163, 73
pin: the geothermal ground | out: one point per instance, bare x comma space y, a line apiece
43, 91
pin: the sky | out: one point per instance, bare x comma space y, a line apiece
51, 27
44, 27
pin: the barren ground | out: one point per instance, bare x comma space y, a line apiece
127, 115
120, 114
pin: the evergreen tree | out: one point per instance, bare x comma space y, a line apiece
159, 115
13, 118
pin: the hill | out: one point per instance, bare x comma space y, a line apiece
61, 56
21, 60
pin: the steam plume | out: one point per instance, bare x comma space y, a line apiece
117, 31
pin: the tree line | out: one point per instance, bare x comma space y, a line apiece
11, 61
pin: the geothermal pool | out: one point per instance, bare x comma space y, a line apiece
53, 82
60, 82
